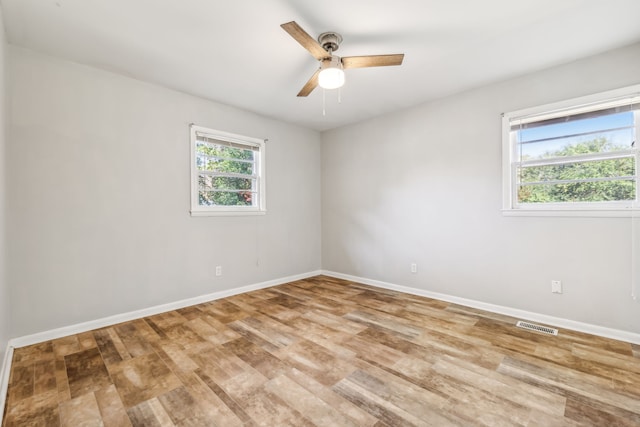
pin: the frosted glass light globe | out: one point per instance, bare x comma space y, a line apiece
332, 75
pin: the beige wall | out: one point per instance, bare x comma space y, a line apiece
4, 287
98, 197
424, 186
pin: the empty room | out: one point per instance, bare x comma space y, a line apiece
338, 213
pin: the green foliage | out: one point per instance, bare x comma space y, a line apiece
225, 188
579, 191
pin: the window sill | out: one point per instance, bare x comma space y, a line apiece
228, 213
588, 213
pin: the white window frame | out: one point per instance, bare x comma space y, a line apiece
196, 208
510, 207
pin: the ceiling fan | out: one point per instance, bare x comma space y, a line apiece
330, 75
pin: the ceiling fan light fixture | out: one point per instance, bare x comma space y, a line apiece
331, 73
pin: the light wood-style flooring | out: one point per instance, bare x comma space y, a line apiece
324, 352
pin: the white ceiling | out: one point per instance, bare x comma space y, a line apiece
234, 51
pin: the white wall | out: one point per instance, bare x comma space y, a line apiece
424, 186
98, 197
4, 288
97, 201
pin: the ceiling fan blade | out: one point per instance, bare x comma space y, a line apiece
305, 40
372, 61
310, 85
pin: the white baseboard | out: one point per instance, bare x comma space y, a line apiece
508, 311
137, 314
124, 317
4, 378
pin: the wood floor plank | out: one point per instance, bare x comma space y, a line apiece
573, 384
542, 419
370, 350
276, 311
21, 381
277, 333
222, 333
305, 402
584, 413
149, 413
112, 408
262, 361
44, 372
502, 386
81, 411
635, 350
181, 407
625, 382
175, 357
86, 372
62, 380
215, 411
324, 351
183, 335
133, 338
119, 346
242, 387
337, 323
86, 340
393, 342
397, 391
253, 335
67, 345
355, 413
224, 397
606, 358
107, 348
266, 406
316, 361
38, 410
378, 406
383, 322
143, 378
225, 311
33, 353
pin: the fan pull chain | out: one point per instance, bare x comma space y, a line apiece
324, 102
339, 96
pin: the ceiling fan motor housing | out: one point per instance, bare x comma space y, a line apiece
330, 41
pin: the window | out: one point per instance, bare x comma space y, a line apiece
227, 173
579, 155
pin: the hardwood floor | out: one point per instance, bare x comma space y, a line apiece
324, 352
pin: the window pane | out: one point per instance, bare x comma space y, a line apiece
227, 198
219, 165
584, 170
209, 183
614, 132
606, 191
223, 151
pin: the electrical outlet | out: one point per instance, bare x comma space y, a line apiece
414, 268
556, 286
219, 270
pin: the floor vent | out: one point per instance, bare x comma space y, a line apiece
537, 328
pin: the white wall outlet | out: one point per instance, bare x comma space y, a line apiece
556, 286
414, 268
219, 270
